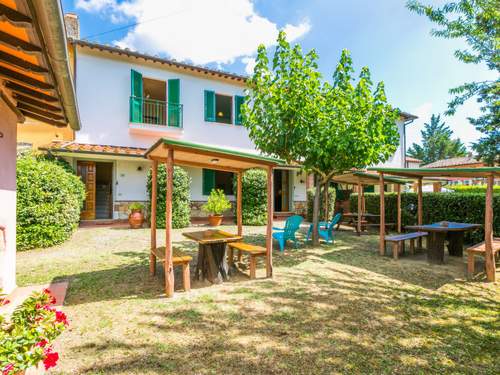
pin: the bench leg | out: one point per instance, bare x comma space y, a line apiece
186, 277
253, 266
470, 264
412, 246
239, 256
395, 250
152, 264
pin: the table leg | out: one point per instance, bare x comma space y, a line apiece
435, 252
456, 243
212, 263
199, 272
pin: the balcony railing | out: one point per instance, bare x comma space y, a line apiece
155, 112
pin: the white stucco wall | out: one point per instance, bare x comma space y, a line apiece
397, 160
8, 125
130, 183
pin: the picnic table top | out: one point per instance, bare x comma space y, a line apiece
366, 214
210, 236
444, 226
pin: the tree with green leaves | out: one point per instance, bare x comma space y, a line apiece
330, 128
478, 22
437, 143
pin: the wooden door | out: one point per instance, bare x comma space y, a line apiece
86, 171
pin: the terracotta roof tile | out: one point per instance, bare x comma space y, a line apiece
93, 149
453, 162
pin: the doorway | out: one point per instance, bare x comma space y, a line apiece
98, 180
281, 190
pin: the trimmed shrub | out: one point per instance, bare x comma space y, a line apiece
472, 189
49, 199
181, 207
310, 204
459, 207
254, 197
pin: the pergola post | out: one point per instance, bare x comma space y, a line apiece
488, 232
363, 205
360, 200
239, 218
152, 257
169, 269
269, 229
398, 190
382, 215
419, 208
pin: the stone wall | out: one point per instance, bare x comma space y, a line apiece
121, 209
300, 207
197, 212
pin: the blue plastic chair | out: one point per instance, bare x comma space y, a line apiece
325, 229
292, 224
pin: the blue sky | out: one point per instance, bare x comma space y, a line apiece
396, 45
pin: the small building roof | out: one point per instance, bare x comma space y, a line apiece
440, 172
84, 148
208, 156
454, 162
413, 160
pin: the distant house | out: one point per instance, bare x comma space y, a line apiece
412, 162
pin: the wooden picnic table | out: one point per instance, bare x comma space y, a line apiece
367, 220
212, 259
439, 233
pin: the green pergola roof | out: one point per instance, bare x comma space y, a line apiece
364, 179
440, 172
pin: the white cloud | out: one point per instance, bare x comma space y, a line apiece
199, 31
249, 64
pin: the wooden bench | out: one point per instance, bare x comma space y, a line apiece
178, 259
399, 239
480, 249
253, 250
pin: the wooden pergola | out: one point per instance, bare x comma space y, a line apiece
174, 152
490, 173
361, 179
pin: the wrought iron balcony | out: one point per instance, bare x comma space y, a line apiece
155, 112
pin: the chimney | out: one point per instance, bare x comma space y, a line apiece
72, 25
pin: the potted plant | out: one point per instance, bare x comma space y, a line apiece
136, 216
26, 336
216, 204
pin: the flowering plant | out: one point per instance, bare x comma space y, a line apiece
26, 337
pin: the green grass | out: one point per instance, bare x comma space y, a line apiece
331, 309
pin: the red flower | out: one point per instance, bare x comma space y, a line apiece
61, 317
7, 369
50, 359
48, 308
52, 299
5, 302
41, 344
47, 291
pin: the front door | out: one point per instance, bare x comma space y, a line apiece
281, 190
86, 171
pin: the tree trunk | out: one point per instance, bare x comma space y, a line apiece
317, 193
326, 215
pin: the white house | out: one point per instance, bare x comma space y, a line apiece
128, 100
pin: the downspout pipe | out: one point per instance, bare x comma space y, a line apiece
49, 16
404, 140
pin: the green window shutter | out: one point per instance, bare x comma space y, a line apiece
174, 99
238, 101
209, 106
208, 181
135, 96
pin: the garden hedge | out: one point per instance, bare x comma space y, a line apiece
181, 205
310, 204
472, 189
254, 197
49, 199
461, 207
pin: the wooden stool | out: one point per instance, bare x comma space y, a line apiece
399, 240
480, 249
178, 259
253, 250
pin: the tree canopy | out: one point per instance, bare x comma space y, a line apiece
437, 143
478, 22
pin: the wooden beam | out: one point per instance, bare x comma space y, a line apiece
488, 232
33, 93
239, 217
12, 75
169, 267
37, 103
13, 16
420, 204
154, 182
398, 190
12, 41
196, 164
38, 111
44, 119
360, 188
269, 229
382, 216
21, 64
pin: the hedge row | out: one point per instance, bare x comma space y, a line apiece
472, 189
459, 207
310, 204
181, 206
254, 197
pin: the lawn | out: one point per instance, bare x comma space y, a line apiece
333, 309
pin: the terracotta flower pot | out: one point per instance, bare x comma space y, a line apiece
215, 220
135, 219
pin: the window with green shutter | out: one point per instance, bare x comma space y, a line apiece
174, 97
135, 96
238, 101
209, 106
208, 181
